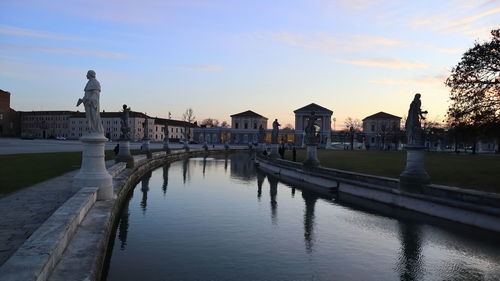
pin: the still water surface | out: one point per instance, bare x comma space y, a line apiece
222, 219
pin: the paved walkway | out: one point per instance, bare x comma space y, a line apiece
24, 211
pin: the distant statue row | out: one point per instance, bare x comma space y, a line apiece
92, 91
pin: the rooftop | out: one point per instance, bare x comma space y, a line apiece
382, 115
313, 107
248, 113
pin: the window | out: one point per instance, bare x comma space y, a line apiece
255, 125
236, 125
373, 128
246, 125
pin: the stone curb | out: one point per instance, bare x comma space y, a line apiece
481, 209
39, 254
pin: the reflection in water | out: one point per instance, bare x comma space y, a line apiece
123, 226
204, 165
223, 233
145, 189
260, 180
185, 170
410, 257
166, 167
226, 157
242, 168
273, 183
310, 199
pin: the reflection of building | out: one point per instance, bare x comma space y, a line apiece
324, 122
72, 125
9, 120
382, 130
241, 168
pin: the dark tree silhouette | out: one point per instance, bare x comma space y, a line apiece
475, 88
210, 122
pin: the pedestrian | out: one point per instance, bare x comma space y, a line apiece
117, 149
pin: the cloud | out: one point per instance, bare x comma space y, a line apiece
470, 19
326, 42
389, 63
203, 67
420, 80
477, 25
23, 32
61, 50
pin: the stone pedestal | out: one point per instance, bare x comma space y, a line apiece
145, 148
311, 160
261, 147
93, 172
414, 177
328, 144
166, 146
124, 153
274, 151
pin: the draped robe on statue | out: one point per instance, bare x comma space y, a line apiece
91, 103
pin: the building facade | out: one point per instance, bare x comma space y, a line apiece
382, 131
73, 125
245, 127
324, 123
9, 118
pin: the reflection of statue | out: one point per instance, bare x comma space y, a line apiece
412, 126
91, 102
311, 138
145, 188
274, 135
125, 129
262, 134
310, 199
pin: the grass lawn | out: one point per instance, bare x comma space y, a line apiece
481, 172
23, 170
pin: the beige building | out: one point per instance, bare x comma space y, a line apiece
245, 127
324, 123
72, 125
382, 130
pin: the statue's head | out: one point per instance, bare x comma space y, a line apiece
90, 74
124, 107
417, 96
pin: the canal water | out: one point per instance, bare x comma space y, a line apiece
222, 219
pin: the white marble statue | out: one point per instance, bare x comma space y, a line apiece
91, 102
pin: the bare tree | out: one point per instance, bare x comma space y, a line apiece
225, 124
288, 126
210, 122
189, 118
354, 123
